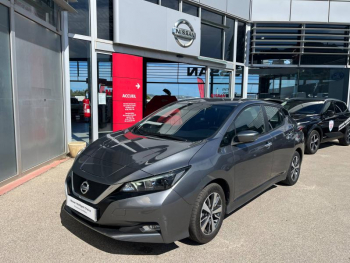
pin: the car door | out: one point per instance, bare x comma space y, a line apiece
342, 114
282, 132
328, 123
253, 161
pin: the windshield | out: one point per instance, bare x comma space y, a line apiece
185, 121
303, 107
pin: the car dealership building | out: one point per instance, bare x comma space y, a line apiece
78, 70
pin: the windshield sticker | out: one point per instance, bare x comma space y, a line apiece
331, 125
344, 124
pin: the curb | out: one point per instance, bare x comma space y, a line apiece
7, 188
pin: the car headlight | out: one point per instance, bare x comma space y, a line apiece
155, 183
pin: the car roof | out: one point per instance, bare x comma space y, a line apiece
313, 99
226, 101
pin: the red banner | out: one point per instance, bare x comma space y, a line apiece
200, 87
127, 90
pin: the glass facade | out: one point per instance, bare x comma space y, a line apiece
105, 19
211, 34
239, 82
173, 4
40, 98
219, 83
190, 9
79, 23
299, 82
80, 88
7, 130
241, 42
229, 39
44, 9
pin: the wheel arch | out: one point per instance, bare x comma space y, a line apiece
300, 151
225, 187
318, 129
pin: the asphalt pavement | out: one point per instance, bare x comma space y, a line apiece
309, 222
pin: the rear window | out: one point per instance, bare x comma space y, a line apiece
303, 107
185, 121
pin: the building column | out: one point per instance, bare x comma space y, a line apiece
66, 78
94, 78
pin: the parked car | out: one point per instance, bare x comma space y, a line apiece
179, 171
321, 120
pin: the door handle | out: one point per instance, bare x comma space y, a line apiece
268, 144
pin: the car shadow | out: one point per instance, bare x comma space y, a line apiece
110, 245
329, 144
189, 242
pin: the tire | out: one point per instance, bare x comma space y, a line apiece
345, 141
313, 142
294, 170
202, 215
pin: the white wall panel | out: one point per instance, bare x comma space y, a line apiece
310, 11
239, 8
339, 12
271, 10
150, 26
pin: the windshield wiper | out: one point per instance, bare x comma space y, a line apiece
167, 136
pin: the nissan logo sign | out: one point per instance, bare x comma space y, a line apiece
185, 34
84, 187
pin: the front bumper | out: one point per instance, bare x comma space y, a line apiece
123, 219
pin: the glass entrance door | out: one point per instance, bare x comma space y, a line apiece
105, 93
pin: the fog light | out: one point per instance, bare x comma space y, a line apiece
150, 228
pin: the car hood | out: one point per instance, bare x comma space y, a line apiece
124, 156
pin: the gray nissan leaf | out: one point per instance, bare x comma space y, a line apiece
179, 171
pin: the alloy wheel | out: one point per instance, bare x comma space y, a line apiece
295, 168
314, 142
211, 213
348, 137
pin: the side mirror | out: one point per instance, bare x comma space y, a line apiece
329, 113
246, 136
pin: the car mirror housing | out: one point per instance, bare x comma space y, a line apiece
246, 137
329, 113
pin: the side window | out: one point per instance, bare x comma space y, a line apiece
341, 106
329, 107
274, 116
251, 119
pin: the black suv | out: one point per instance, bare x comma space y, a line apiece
321, 120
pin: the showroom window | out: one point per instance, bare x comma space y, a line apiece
173, 4
105, 19
211, 35
241, 37
229, 39
7, 129
286, 83
79, 23
219, 83
190, 9
239, 82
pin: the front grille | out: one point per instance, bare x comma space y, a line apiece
95, 189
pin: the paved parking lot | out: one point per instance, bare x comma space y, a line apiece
309, 222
